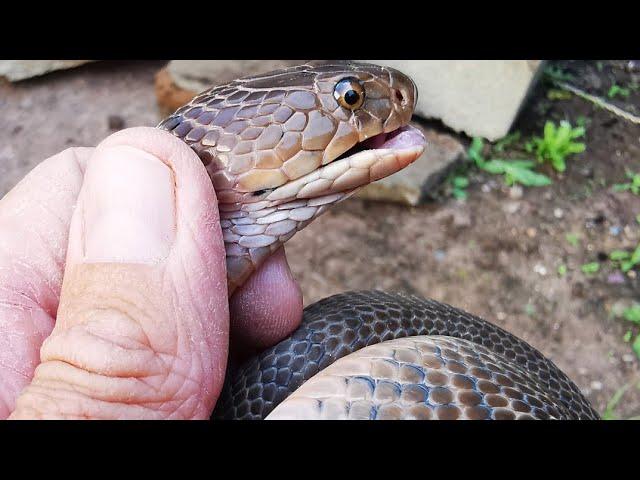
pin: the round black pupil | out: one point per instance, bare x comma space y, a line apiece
351, 97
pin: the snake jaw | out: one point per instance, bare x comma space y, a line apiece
360, 166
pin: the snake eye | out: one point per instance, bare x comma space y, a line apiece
349, 93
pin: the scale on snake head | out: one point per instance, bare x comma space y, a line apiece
281, 148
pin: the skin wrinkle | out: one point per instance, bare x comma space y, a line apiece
84, 383
62, 395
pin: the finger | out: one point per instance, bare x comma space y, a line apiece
267, 308
34, 227
142, 326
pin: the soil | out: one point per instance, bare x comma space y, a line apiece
495, 254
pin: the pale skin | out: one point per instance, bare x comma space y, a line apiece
113, 294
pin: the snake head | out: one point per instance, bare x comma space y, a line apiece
284, 146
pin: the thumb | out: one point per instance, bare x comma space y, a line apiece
142, 326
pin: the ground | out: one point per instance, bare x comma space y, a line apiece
495, 254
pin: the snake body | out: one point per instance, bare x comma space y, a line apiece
283, 147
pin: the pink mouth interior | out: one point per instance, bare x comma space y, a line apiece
404, 137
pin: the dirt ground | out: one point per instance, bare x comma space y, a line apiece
495, 255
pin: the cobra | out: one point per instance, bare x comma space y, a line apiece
283, 147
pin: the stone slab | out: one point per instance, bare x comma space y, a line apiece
16, 70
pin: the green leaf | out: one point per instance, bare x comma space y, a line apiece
618, 255
590, 268
636, 346
496, 167
459, 194
616, 90
528, 177
627, 336
635, 256
475, 150
460, 182
578, 132
562, 270
626, 266
632, 314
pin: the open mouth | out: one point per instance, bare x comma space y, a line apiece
401, 138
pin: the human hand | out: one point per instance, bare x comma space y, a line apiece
113, 296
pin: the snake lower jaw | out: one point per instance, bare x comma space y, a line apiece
393, 152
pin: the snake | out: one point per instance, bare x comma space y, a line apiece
283, 147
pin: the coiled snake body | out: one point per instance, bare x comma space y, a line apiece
283, 147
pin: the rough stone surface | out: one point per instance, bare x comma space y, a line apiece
15, 70
478, 97
410, 185
181, 80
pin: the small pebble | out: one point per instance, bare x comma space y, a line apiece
540, 269
439, 255
558, 213
501, 316
485, 188
511, 207
531, 232
596, 385
615, 230
516, 192
628, 358
582, 371
116, 122
631, 274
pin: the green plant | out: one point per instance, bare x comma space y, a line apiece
632, 314
557, 74
514, 171
562, 270
459, 184
626, 260
633, 185
507, 141
557, 143
590, 268
616, 90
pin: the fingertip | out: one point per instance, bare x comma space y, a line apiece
267, 308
